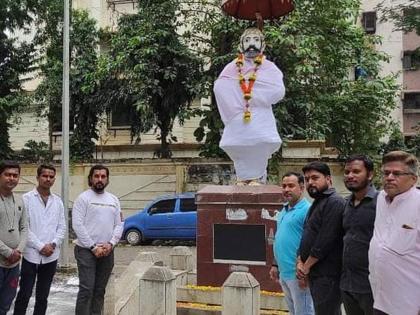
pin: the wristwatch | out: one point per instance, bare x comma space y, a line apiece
92, 247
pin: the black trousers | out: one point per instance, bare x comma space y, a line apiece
326, 295
43, 274
357, 303
93, 277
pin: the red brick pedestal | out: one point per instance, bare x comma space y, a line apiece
232, 236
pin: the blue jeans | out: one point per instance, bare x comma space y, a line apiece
299, 301
9, 278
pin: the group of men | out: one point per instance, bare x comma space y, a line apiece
33, 227
362, 251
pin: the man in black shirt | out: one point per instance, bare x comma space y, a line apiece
358, 220
320, 252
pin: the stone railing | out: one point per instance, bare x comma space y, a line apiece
148, 287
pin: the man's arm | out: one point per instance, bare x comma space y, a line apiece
118, 226
274, 270
32, 240
61, 228
23, 229
78, 215
5, 250
330, 231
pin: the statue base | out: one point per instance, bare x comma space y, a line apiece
233, 236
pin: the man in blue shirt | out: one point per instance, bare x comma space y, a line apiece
287, 239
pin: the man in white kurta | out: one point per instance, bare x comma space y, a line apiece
250, 144
394, 253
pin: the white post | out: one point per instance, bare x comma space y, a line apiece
158, 292
181, 258
65, 131
241, 295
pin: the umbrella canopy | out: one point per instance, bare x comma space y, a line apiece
249, 9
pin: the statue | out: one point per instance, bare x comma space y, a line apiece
245, 92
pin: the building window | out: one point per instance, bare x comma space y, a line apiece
369, 22
411, 101
411, 60
56, 123
121, 116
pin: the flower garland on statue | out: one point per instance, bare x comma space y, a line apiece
247, 87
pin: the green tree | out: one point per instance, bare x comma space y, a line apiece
406, 15
85, 109
316, 47
214, 38
15, 60
151, 69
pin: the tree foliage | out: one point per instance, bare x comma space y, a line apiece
317, 47
405, 15
15, 60
151, 69
85, 109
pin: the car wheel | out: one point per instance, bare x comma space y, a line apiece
133, 237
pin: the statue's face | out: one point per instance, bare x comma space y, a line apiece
252, 43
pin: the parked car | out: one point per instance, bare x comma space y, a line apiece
166, 217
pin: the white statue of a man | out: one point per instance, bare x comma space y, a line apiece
245, 92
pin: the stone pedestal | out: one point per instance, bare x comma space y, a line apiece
241, 295
157, 292
181, 258
232, 236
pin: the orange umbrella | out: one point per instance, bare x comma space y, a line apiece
257, 9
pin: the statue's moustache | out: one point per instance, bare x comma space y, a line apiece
253, 48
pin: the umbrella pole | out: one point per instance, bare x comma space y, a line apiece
260, 21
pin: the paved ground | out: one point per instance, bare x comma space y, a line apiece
64, 288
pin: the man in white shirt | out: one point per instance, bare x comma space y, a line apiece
97, 223
47, 227
394, 252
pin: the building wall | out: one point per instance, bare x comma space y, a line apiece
394, 43
27, 126
137, 183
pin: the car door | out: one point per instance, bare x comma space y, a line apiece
185, 218
159, 220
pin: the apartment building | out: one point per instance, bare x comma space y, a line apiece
115, 141
399, 46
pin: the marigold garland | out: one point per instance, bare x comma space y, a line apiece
247, 87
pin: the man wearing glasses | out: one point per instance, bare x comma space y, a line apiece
394, 253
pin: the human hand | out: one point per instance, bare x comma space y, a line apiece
107, 247
98, 251
303, 284
300, 270
14, 257
47, 250
274, 273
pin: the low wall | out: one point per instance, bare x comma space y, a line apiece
137, 183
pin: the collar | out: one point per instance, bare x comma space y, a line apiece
297, 205
326, 193
371, 193
36, 192
401, 196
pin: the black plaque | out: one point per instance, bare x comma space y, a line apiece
239, 243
